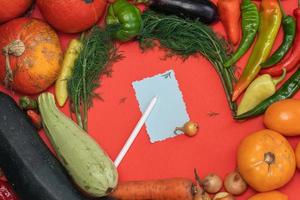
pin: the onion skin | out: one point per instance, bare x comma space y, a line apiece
212, 183
223, 196
235, 184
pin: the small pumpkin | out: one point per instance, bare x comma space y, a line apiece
72, 16
10, 9
31, 55
273, 195
284, 117
266, 160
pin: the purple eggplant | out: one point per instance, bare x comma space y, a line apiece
203, 10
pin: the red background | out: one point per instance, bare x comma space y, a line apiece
212, 150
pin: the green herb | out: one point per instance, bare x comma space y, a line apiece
94, 61
187, 37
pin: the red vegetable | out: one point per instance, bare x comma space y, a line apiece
35, 118
230, 13
6, 191
291, 61
72, 16
10, 9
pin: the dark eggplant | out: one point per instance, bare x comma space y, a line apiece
30, 167
203, 10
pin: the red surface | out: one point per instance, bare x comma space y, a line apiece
212, 150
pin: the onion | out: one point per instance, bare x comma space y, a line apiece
223, 196
235, 184
212, 183
189, 128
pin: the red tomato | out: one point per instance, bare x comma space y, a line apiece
10, 9
72, 16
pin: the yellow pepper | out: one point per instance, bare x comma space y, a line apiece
61, 85
259, 90
270, 21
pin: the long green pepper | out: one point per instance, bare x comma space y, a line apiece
250, 24
289, 29
287, 90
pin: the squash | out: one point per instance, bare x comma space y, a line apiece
266, 160
28, 164
72, 16
88, 165
10, 9
31, 55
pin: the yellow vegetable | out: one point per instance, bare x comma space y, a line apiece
71, 54
260, 89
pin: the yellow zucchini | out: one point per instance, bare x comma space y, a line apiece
61, 84
88, 165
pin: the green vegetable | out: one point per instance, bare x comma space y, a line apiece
287, 90
94, 60
187, 37
250, 24
85, 161
260, 89
28, 163
122, 13
270, 22
289, 29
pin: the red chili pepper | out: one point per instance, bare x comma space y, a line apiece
291, 61
6, 191
35, 118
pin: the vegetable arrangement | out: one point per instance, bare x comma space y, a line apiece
270, 20
185, 38
32, 60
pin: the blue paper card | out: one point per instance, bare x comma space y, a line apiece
170, 109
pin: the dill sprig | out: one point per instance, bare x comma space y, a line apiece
94, 60
186, 37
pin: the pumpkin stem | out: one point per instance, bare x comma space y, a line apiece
15, 48
269, 158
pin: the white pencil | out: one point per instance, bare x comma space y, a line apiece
135, 132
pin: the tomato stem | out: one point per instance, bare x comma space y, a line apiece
269, 158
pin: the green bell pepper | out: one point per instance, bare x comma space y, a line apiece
122, 13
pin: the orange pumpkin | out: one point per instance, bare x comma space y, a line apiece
31, 55
266, 160
284, 117
274, 195
297, 153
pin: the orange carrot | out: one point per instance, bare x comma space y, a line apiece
165, 189
230, 13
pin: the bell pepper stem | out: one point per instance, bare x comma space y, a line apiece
278, 80
281, 8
